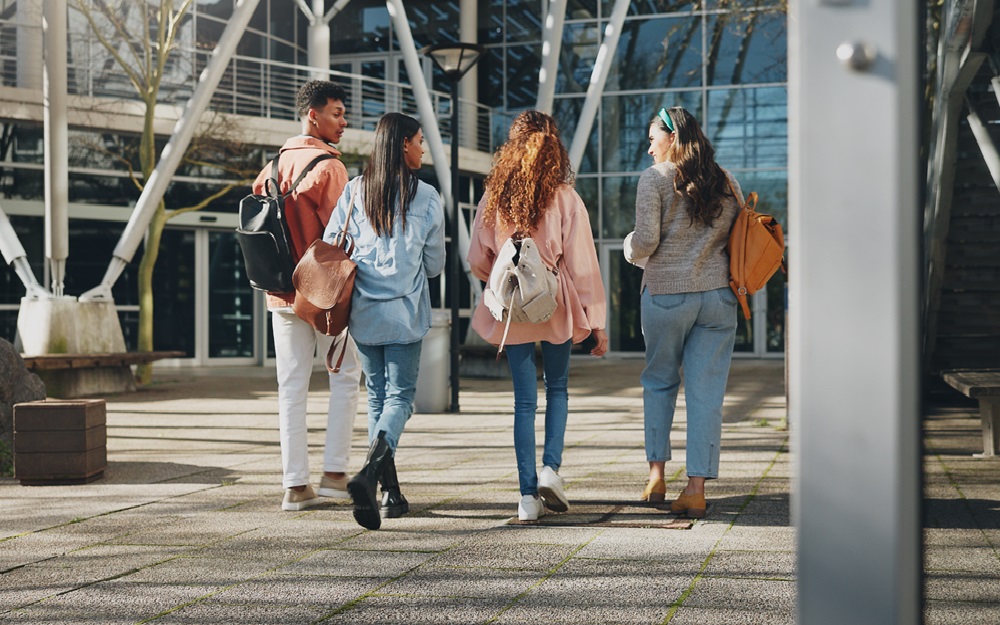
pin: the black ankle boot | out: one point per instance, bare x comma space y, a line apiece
394, 505
363, 486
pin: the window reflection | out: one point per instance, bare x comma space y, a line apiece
523, 63
659, 53
746, 47
749, 127
625, 126
576, 60
587, 188
618, 204
653, 7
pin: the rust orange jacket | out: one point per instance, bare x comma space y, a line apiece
308, 208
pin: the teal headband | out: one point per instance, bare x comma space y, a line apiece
666, 119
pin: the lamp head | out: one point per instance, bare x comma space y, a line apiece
454, 59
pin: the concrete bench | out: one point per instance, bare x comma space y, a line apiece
69, 376
984, 386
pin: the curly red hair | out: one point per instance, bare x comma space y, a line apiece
527, 170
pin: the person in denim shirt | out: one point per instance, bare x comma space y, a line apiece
397, 223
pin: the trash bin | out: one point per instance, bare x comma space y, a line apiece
433, 380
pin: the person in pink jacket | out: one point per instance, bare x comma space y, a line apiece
529, 192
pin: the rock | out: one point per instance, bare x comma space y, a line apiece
17, 385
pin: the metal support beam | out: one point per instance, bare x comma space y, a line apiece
985, 141
552, 36
598, 77
14, 255
170, 157
853, 81
56, 135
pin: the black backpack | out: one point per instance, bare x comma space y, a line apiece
263, 233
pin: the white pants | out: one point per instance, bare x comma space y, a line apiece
295, 346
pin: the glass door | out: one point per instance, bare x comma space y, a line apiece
622, 281
229, 333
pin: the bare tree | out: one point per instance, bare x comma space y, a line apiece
141, 41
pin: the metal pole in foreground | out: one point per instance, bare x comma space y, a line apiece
456, 263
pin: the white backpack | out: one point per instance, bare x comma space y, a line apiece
520, 287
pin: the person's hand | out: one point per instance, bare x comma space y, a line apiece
602, 342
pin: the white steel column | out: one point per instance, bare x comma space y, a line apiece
468, 87
552, 36
318, 36
605, 55
56, 135
170, 157
854, 378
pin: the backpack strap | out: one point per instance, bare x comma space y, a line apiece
302, 174
506, 327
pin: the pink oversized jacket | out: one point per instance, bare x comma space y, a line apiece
564, 241
312, 202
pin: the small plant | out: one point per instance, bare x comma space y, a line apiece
762, 423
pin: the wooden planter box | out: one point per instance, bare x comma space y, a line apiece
60, 441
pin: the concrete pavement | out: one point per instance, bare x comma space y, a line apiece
186, 527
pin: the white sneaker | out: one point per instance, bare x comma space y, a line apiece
530, 508
550, 487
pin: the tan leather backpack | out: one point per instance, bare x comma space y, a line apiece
756, 250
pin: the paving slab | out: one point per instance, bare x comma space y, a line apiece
186, 526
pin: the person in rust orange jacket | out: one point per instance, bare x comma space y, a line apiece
322, 112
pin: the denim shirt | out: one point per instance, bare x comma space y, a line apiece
391, 301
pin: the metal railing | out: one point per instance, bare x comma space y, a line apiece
251, 86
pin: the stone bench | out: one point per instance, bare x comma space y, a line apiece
80, 375
984, 386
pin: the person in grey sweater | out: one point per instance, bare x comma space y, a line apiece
685, 207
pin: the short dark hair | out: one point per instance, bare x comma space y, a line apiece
315, 94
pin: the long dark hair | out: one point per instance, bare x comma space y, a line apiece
698, 175
388, 182
527, 170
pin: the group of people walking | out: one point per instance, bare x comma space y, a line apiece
685, 207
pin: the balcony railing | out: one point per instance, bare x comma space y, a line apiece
250, 86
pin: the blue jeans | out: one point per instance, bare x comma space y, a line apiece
555, 363
698, 331
391, 380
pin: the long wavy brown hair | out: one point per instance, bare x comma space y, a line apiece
527, 170
698, 175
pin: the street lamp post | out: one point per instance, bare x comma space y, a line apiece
454, 59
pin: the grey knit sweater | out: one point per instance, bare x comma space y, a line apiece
684, 257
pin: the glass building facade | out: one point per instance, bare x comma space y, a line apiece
724, 60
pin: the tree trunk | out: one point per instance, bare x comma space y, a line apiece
144, 373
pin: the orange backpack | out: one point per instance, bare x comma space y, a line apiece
756, 250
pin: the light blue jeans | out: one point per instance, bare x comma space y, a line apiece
555, 364
696, 331
391, 380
